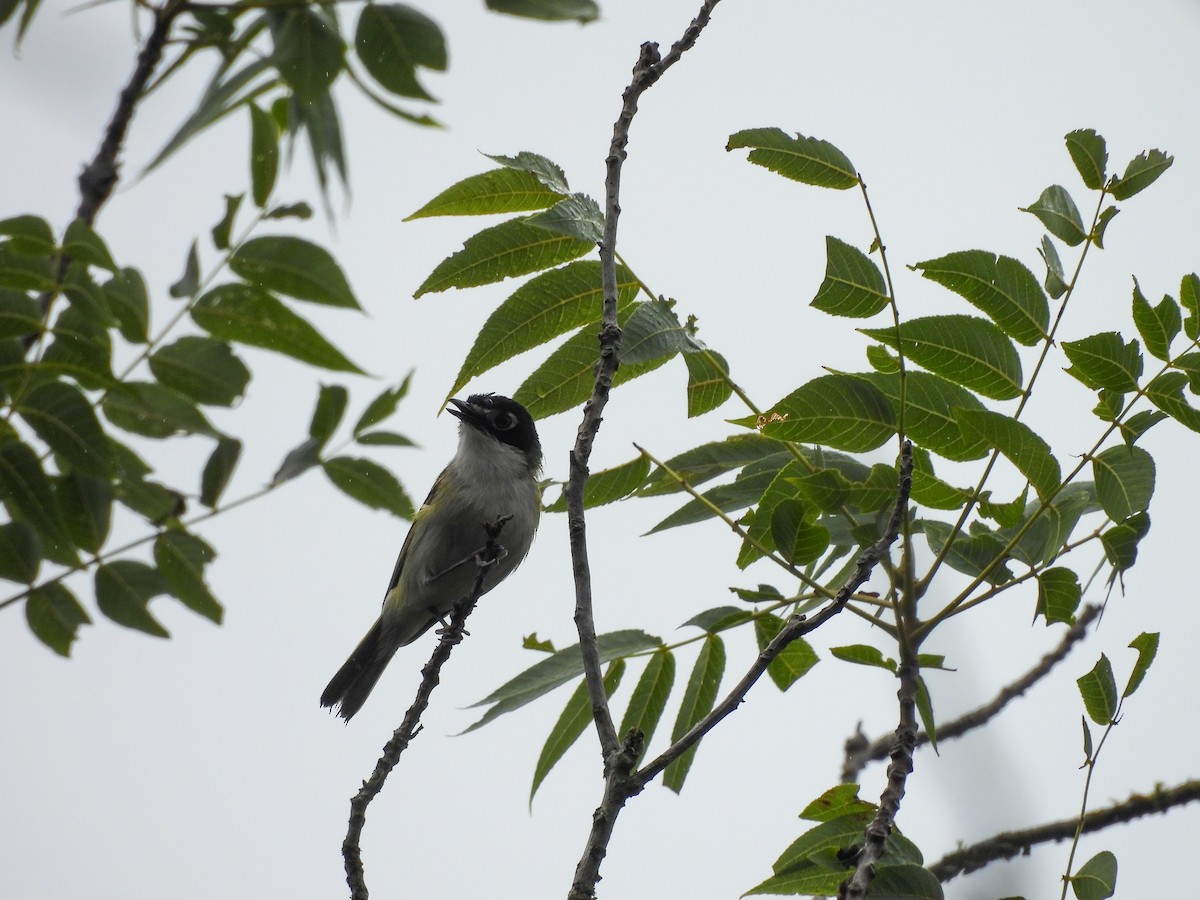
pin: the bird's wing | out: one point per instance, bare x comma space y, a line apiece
408, 538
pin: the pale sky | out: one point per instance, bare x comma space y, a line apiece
202, 766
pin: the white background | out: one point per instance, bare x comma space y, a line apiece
202, 767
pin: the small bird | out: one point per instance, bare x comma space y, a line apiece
493, 474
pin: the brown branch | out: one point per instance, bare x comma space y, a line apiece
410, 727
1013, 843
860, 751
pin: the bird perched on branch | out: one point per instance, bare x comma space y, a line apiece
493, 475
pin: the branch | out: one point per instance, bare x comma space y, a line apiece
796, 627
1008, 844
860, 751
410, 727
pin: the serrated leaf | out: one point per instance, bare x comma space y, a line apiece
929, 415
576, 216
1099, 692
1139, 423
966, 350
803, 159
27, 494
1146, 645
548, 172
502, 251
1157, 325
1105, 361
250, 315
853, 285
840, 411
154, 410
62, 417
1059, 594
797, 540
85, 509
1124, 480
1017, 441
582, 11
1090, 155
796, 659
124, 590
745, 491
218, 470
295, 267
609, 485
838, 801
1096, 878
698, 699
392, 40
572, 722
556, 670
1057, 211
129, 301
327, 414
1000, 286
1143, 170
653, 332
181, 558
369, 483
264, 155
708, 461
206, 370
864, 655
54, 617
221, 231
649, 698
708, 382
502, 190
1166, 392
20, 553
929, 490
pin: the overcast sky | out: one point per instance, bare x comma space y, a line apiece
202, 766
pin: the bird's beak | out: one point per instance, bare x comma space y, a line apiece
465, 412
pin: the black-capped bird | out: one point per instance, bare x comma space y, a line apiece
493, 474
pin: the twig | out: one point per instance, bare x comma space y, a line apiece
860, 751
410, 727
1008, 844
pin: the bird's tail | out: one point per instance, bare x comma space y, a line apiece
349, 688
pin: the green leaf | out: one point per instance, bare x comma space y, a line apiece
653, 332
609, 485
25, 273
708, 382
975, 555
840, 411
28, 235
1157, 325
503, 251
383, 439
1056, 284
550, 304
1146, 645
929, 416
19, 315
853, 285
54, 617
264, 155
924, 703
1121, 542
383, 406
62, 417
154, 410
295, 267
698, 699
308, 51
221, 231
1099, 692
298, 460
1000, 286
218, 470
556, 670
929, 490
1024, 449
369, 483
123, 592
250, 315
722, 618
1059, 594
1087, 738
155, 502
798, 541
548, 172
27, 494
289, 211
803, 159
189, 282
582, 11
576, 216
1090, 155
503, 190
1057, 211
327, 415
1166, 392
20, 553
85, 509
1105, 361
1124, 480
393, 40
649, 698
838, 801
1143, 170
966, 350
1139, 423
181, 558
129, 301
206, 370
882, 361
572, 722
82, 244
1096, 878
1106, 215
794, 662
711, 460
1189, 299
864, 655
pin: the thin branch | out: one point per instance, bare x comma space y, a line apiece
860, 752
1008, 844
410, 727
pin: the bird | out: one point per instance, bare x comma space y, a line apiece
493, 475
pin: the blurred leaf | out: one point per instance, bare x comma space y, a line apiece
1106, 215
721, 618
708, 382
369, 483
295, 267
864, 655
218, 470
1057, 211
1024, 449
129, 301
327, 415
608, 485
853, 284
220, 231
1059, 594
28, 496
54, 617
1090, 155
1099, 692
1105, 361
803, 159
20, 553
393, 40
264, 155
840, 411
319, 119
181, 558
85, 509
63, 417
154, 410
1124, 480
156, 503
82, 244
383, 439
123, 592
1189, 299
289, 211
649, 698
206, 370
796, 659
1096, 878
925, 711
1143, 170
250, 315
838, 801
582, 11
1158, 325
503, 190
698, 699
576, 216
383, 406
28, 235
1146, 645
1056, 284
299, 459
25, 273
1000, 286
188, 283
308, 51
1121, 542
19, 314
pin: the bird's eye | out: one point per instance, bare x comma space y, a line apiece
504, 421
